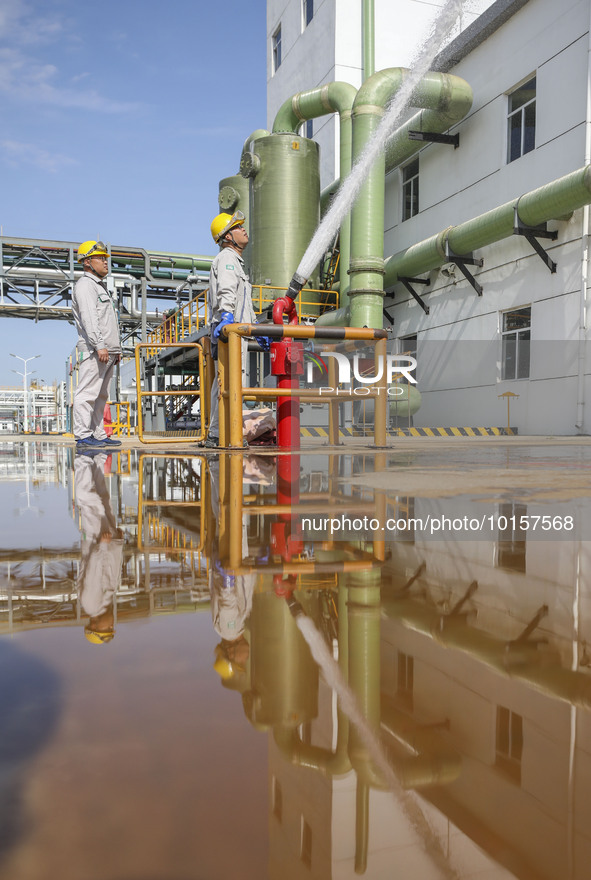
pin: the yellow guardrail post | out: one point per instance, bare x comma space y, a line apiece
381, 401
235, 389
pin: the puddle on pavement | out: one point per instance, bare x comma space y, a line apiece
163, 717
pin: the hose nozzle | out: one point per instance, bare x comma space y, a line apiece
295, 285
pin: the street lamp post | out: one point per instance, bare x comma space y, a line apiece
24, 375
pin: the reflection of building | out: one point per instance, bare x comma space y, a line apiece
45, 406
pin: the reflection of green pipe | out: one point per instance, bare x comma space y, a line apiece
364, 665
435, 92
361, 826
552, 201
519, 662
288, 739
432, 764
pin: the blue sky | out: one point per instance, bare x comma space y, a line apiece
118, 120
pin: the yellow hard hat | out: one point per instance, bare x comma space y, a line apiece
92, 249
98, 638
224, 223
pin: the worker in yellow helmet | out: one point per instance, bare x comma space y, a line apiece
229, 299
98, 347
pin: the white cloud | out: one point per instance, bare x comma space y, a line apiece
17, 153
25, 77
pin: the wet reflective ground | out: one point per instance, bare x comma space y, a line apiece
162, 621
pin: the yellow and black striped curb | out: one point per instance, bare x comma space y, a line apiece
417, 432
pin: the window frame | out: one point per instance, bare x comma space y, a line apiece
276, 49
518, 333
413, 183
520, 112
509, 741
307, 13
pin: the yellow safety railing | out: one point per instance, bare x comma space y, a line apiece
199, 391
192, 316
311, 302
183, 323
121, 428
156, 536
232, 393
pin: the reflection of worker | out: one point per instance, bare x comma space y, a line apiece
99, 346
229, 298
101, 548
231, 598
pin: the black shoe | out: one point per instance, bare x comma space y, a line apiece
110, 441
212, 442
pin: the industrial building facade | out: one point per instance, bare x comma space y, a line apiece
511, 326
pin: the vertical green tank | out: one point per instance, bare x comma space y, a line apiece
284, 174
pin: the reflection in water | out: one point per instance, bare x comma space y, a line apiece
468, 659
101, 548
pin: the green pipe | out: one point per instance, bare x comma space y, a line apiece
182, 261
368, 25
552, 201
437, 92
335, 97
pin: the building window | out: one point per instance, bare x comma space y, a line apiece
410, 190
516, 339
512, 537
276, 47
306, 844
307, 12
509, 743
521, 120
405, 680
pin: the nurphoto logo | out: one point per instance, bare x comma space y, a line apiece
393, 366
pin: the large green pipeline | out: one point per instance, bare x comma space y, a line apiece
552, 201
335, 97
436, 92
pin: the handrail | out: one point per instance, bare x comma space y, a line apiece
192, 315
198, 392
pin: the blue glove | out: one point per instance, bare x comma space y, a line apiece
264, 342
227, 318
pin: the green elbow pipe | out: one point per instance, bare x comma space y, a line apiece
448, 99
334, 97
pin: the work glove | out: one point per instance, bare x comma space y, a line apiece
264, 342
227, 318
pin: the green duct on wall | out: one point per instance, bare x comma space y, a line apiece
552, 201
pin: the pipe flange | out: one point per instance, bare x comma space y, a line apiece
367, 264
249, 165
364, 291
228, 198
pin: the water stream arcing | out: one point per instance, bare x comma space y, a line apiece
349, 189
